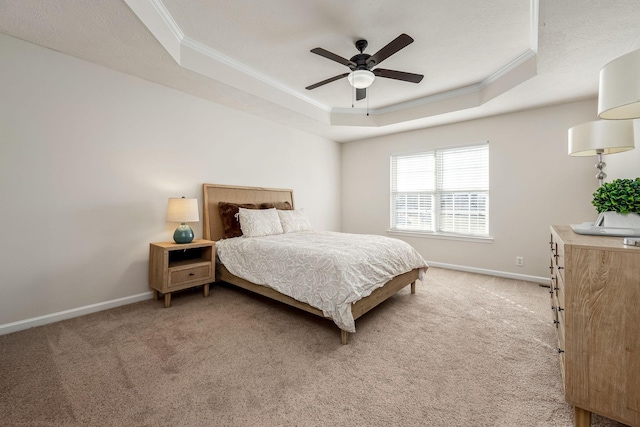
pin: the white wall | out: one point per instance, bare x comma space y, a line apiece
88, 159
533, 183
89, 156
625, 164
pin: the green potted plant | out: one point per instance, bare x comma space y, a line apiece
619, 202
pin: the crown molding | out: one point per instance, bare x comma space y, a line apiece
214, 55
472, 95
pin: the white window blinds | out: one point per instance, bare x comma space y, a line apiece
441, 191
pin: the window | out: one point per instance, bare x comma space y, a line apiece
442, 191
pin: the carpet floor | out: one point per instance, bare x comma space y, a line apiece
465, 350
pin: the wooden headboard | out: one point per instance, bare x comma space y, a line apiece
213, 194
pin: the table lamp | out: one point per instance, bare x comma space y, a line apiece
619, 88
182, 210
601, 137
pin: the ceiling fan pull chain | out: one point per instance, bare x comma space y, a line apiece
369, 96
353, 96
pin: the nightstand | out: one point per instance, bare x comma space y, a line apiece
174, 266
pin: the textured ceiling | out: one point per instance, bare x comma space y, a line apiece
278, 44
478, 58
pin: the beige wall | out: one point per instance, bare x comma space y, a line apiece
88, 158
533, 183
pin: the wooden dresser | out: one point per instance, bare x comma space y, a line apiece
595, 299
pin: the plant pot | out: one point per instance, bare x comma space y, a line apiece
616, 219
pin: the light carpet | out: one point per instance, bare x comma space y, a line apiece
465, 350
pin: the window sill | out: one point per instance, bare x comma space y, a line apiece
443, 236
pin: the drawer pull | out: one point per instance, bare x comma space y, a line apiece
560, 351
555, 322
192, 274
560, 308
560, 267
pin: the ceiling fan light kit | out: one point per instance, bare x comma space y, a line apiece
361, 79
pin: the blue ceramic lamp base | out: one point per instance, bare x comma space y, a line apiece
183, 234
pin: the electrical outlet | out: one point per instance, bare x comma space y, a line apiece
519, 261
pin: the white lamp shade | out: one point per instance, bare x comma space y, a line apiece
619, 92
182, 210
361, 79
601, 136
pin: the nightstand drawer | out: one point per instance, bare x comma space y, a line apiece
182, 275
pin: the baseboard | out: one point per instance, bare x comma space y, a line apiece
80, 311
74, 312
525, 277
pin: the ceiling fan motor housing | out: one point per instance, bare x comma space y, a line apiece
361, 59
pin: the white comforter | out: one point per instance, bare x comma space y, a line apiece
327, 270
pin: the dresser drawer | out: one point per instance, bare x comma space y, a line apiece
556, 285
561, 346
557, 255
558, 290
560, 331
183, 275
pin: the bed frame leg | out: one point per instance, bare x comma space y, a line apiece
344, 336
413, 287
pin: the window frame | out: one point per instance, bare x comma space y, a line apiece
435, 194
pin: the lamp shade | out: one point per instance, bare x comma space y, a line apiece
619, 91
601, 137
182, 210
361, 79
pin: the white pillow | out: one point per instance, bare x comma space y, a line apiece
259, 222
294, 221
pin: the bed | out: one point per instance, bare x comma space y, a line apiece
214, 229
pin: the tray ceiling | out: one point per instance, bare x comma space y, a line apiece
478, 59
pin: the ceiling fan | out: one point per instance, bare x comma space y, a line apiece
362, 72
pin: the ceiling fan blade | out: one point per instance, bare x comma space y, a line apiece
398, 75
400, 42
324, 82
332, 56
361, 94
